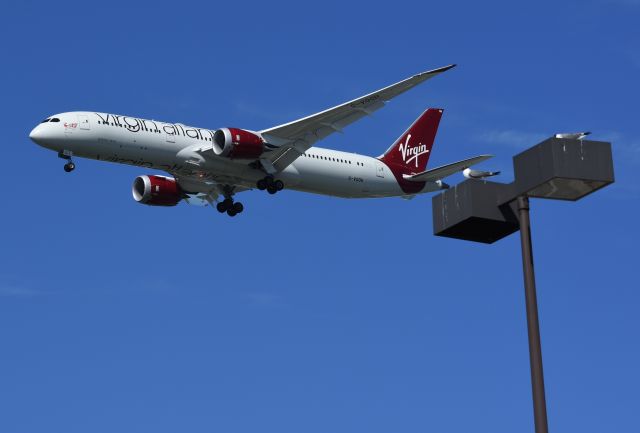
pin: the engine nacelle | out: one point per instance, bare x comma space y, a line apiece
156, 190
237, 143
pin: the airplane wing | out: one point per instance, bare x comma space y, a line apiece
445, 170
294, 138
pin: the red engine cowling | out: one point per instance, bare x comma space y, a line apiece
237, 143
156, 190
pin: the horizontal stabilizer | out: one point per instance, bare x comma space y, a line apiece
445, 170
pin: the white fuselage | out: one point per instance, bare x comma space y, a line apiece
181, 151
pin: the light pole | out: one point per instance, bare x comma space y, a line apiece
481, 211
533, 327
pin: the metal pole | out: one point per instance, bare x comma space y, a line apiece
533, 327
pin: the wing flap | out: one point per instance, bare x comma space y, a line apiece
286, 157
445, 170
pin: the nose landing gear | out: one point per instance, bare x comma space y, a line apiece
67, 154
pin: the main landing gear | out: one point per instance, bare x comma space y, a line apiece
270, 184
66, 154
228, 205
233, 208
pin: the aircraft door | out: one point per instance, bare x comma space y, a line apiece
83, 121
379, 169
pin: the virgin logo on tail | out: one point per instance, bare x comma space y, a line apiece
412, 152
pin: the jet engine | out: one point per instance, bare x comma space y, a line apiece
237, 143
156, 190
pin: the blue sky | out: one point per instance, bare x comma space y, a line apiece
307, 313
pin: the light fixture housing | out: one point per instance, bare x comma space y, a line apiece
557, 168
563, 169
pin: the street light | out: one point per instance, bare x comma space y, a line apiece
481, 211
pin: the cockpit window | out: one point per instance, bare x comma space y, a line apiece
46, 120
55, 119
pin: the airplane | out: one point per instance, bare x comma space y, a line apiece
212, 166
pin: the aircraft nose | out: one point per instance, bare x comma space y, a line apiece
36, 135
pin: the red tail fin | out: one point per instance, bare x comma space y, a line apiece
410, 153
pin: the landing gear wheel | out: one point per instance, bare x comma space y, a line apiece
224, 205
69, 167
270, 184
230, 207
269, 181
